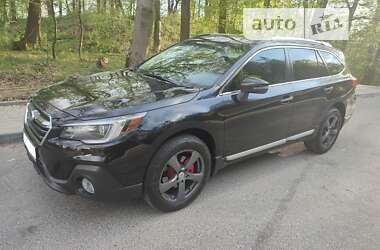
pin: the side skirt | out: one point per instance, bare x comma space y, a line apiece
269, 145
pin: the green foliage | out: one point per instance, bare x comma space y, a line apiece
102, 33
32, 70
109, 34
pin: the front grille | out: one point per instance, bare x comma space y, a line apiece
38, 122
39, 125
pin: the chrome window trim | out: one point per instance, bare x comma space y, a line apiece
269, 145
231, 75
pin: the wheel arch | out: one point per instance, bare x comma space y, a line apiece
341, 107
204, 136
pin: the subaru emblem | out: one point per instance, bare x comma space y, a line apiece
35, 114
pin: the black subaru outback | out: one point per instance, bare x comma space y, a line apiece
161, 129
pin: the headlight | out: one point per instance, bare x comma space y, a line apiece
101, 131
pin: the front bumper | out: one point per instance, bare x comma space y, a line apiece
116, 168
105, 185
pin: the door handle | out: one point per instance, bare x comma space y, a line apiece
287, 99
328, 90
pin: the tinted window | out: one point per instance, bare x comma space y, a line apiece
305, 64
195, 62
321, 65
333, 64
268, 65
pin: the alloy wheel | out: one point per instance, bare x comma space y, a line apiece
182, 175
330, 130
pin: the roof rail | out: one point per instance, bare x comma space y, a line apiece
302, 39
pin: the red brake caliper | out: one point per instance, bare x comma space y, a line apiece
191, 169
170, 171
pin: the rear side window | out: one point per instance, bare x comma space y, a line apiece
268, 65
305, 64
334, 66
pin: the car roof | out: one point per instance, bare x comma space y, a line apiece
276, 41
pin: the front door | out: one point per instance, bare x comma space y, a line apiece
261, 121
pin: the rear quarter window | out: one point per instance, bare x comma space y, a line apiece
334, 66
306, 64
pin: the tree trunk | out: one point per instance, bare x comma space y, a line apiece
98, 3
74, 5
49, 7
172, 6
193, 7
4, 13
351, 11
67, 7
222, 16
266, 3
81, 31
199, 9
104, 5
13, 10
33, 25
112, 5
156, 31
176, 6
54, 30
185, 20
141, 33
60, 8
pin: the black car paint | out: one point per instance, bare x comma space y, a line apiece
226, 124
110, 94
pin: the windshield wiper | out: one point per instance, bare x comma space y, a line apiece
159, 77
152, 75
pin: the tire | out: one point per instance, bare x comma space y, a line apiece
327, 134
177, 173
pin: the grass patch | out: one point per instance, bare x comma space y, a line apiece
23, 72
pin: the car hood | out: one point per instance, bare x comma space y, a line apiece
110, 94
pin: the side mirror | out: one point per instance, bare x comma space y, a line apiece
254, 85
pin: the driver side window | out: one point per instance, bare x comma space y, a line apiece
269, 65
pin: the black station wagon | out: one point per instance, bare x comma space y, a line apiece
161, 129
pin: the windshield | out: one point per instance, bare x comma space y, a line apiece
195, 63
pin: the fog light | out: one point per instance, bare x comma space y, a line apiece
87, 186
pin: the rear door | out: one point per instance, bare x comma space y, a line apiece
308, 71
